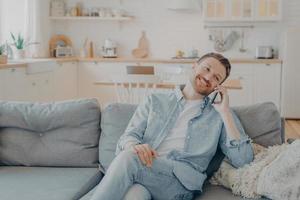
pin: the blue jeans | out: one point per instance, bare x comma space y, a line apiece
127, 169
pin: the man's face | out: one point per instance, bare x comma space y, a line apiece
207, 75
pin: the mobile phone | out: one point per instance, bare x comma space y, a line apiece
214, 97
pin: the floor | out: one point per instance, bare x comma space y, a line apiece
292, 129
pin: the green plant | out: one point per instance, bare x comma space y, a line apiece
5, 49
2, 49
19, 42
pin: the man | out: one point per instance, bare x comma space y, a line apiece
172, 137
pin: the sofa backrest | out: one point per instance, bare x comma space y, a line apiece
50, 134
261, 122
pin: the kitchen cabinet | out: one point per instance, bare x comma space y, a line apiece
243, 72
215, 9
65, 81
267, 83
39, 87
2, 84
18, 84
242, 10
260, 82
268, 10
91, 72
15, 84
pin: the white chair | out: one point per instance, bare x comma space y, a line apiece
133, 88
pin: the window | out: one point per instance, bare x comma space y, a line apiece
12, 18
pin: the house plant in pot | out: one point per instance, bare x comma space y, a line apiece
20, 44
5, 50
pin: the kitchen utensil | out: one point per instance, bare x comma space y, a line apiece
264, 52
143, 47
109, 50
91, 50
139, 53
242, 49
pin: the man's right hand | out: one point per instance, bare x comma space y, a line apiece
145, 153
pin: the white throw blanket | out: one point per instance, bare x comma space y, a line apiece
281, 178
274, 173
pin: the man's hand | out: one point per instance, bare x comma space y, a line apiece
222, 106
145, 153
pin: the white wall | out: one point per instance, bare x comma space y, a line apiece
166, 30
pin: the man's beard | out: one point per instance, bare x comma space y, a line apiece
202, 91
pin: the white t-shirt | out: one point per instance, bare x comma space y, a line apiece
175, 139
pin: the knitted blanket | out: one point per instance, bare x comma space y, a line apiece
274, 173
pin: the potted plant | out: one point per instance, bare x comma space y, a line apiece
20, 44
3, 56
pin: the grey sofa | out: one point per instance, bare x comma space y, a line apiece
61, 150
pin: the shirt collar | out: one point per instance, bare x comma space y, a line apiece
180, 97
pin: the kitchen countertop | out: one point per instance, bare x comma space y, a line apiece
23, 63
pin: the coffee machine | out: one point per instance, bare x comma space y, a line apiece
109, 49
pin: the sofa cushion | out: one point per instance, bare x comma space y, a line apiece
50, 134
115, 118
43, 183
261, 122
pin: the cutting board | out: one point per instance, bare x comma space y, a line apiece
142, 51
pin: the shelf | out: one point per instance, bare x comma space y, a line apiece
94, 18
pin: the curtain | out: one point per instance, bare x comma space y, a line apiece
37, 27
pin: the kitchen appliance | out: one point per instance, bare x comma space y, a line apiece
109, 50
59, 42
264, 52
63, 51
290, 75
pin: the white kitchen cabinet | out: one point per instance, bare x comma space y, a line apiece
2, 83
244, 96
242, 10
260, 82
267, 83
40, 87
65, 81
268, 10
91, 72
215, 9
15, 84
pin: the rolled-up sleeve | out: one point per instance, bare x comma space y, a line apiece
136, 127
239, 152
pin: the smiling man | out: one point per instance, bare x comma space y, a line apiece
172, 137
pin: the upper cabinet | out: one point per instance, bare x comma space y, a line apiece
241, 10
268, 10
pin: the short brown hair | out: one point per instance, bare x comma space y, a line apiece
224, 61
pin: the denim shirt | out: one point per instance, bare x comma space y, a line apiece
155, 117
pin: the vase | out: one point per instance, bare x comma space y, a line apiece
3, 59
19, 54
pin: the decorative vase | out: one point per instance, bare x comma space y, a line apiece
19, 54
3, 59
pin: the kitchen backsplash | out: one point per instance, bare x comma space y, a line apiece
167, 30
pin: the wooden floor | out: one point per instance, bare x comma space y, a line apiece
292, 129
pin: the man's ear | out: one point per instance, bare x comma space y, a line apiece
194, 65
